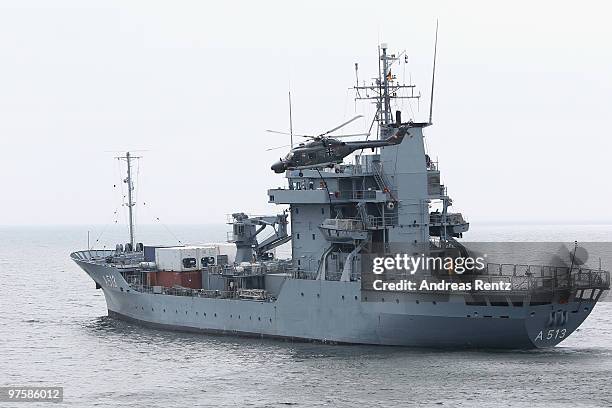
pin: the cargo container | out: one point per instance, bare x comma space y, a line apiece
221, 249
168, 279
149, 251
177, 259
191, 258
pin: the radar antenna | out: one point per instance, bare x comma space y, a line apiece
385, 87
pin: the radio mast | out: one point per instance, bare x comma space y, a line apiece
130, 183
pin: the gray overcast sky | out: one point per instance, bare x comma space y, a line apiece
522, 104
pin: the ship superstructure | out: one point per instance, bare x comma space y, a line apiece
338, 214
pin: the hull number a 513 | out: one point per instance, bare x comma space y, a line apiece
551, 334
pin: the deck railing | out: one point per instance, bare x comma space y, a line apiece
246, 294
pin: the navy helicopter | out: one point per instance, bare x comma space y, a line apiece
327, 151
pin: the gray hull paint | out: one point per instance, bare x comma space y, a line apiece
332, 311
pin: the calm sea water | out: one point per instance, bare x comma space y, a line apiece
54, 331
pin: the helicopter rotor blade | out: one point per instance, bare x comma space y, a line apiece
342, 125
334, 137
323, 134
287, 134
353, 135
278, 147
276, 131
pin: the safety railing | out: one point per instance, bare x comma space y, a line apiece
244, 294
355, 194
348, 224
379, 222
454, 218
354, 224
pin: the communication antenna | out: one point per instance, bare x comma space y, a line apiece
130, 183
290, 120
433, 75
384, 89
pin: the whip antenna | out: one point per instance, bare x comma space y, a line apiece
433, 76
290, 120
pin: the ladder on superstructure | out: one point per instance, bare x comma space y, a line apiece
380, 179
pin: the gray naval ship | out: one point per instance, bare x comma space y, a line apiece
337, 214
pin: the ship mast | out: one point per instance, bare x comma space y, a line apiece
383, 89
128, 180
386, 77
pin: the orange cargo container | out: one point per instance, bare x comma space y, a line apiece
192, 279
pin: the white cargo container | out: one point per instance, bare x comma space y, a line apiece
181, 259
227, 249
207, 255
216, 249
177, 259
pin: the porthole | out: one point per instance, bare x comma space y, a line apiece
396, 300
302, 293
215, 315
434, 302
259, 318
270, 320
382, 300
152, 310
318, 295
417, 302
355, 297
164, 310
342, 297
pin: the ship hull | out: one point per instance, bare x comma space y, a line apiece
335, 312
